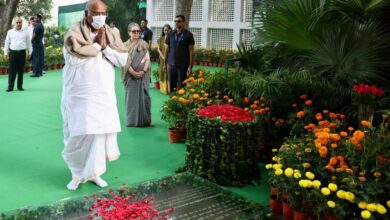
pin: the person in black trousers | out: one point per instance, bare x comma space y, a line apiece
16, 43
38, 48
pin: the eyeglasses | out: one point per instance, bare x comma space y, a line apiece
18, 22
178, 21
135, 31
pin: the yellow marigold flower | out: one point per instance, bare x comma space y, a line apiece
209, 102
343, 134
275, 158
206, 95
192, 90
366, 123
277, 166
341, 194
371, 207
362, 205
333, 187
310, 175
388, 203
268, 166
381, 209
365, 214
325, 191
288, 172
350, 129
331, 204
181, 91
297, 175
183, 100
196, 96
275, 150
174, 97
278, 172
350, 196
306, 165
316, 184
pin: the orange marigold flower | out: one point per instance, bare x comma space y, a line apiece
209, 102
195, 96
174, 97
261, 98
325, 111
350, 129
377, 174
246, 109
323, 151
294, 105
226, 97
181, 91
306, 165
301, 114
319, 116
333, 146
308, 102
298, 153
332, 125
200, 106
201, 80
256, 102
206, 95
253, 106
358, 135
335, 137
332, 115
308, 150
342, 116
324, 123
333, 161
343, 134
366, 123
304, 96
340, 158
362, 179
246, 100
349, 170
230, 101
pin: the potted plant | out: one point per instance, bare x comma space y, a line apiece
156, 79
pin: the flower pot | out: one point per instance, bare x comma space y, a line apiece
288, 212
275, 204
157, 85
274, 191
59, 66
299, 215
331, 217
177, 135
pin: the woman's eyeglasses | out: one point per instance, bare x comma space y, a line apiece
135, 31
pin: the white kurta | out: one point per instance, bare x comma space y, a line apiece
89, 111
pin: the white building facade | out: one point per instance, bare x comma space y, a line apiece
214, 23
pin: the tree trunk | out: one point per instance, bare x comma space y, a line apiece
183, 7
7, 13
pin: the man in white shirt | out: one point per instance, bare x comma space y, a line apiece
89, 110
16, 43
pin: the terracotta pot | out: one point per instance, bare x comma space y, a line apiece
2, 71
157, 85
299, 215
177, 135
288, 212
58, 66
275, 205
331, 217
284, 196
274, 191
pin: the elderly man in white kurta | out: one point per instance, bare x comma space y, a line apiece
89, 110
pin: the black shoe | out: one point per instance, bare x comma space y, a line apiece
9, 90
20, 89
34, 75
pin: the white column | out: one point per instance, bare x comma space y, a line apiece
205, 18
237, 23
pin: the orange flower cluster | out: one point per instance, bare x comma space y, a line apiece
356, 139
338, 164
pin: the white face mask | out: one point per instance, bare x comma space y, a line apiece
98, 21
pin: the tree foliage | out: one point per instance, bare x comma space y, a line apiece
30, 8
7, 12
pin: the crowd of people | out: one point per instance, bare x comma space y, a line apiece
91, 51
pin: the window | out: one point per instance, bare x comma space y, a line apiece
220, 38
221, 10
163, 10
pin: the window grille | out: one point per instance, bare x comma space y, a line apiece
245, 37
163, 10
196, 10
221, 10
197, 32
220, 38
246, 10
156, 34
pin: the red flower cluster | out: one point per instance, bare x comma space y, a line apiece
362, 89
229, 113
124, 207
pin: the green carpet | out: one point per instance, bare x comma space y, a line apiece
32, 171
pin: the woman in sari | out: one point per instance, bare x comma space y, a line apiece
136, 79
163, 75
